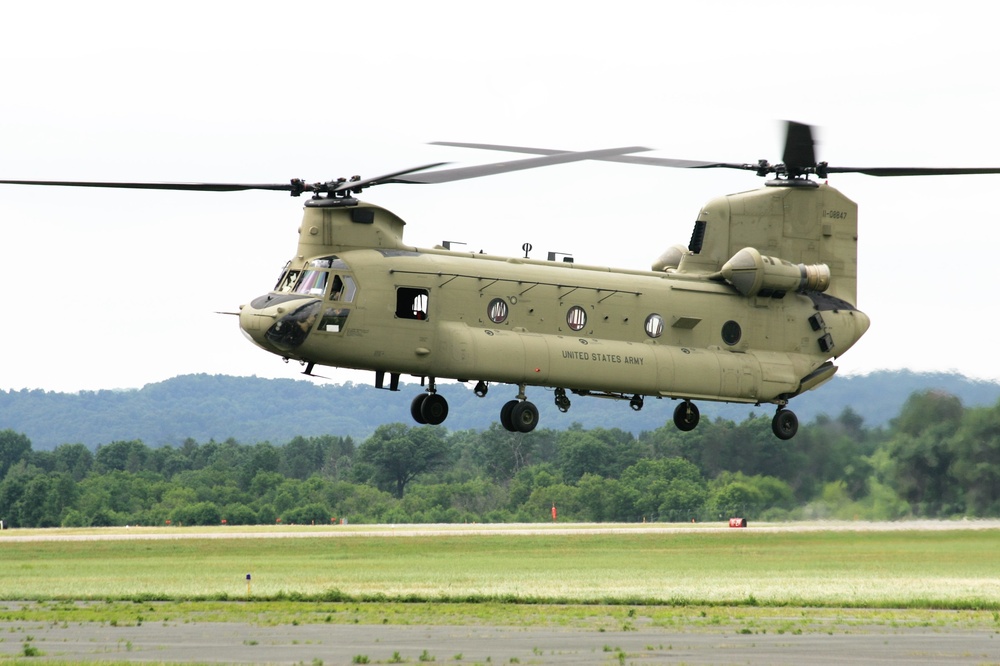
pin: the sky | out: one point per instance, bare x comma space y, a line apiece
110, 289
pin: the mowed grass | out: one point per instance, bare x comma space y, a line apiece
940, 569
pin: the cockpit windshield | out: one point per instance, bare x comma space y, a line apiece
315, 276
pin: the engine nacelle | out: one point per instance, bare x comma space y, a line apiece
752, 273
671, 258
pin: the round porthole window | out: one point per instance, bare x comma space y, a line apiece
654, 325
576, 317
731, 332
497, 311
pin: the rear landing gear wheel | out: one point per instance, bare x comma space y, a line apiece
686, 416
434, 409
415, 410
785, 424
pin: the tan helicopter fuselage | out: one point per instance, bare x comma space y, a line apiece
746, 314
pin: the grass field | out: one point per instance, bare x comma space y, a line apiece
912, 569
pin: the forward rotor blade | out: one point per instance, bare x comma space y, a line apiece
385, 178
196, 187
548, 158
296, 187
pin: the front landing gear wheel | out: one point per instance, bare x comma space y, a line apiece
505, 412
686, 416
785, 424
524, 416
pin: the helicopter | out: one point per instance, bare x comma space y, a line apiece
754, 309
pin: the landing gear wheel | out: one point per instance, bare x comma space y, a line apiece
635, 403
415, 408
686, 416
505, 415
434, 409
785, 424
524, 416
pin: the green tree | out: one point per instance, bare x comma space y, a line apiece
239, 514
976, 462
735, 499
308, 514
929, 412
13, 447
399, 453
122, 456
302, 457
922, 455
74, 459
528, 479
199, 513
582, 452
670, 489
502, 453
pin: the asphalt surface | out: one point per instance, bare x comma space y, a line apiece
345, 644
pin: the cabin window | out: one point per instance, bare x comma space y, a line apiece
654, 325
411, 303
497, 311
576, 318
731, 332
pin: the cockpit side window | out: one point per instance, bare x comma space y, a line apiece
343, 288
287, 281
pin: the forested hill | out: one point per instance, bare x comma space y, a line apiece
250, 409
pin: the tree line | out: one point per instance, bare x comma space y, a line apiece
937, 459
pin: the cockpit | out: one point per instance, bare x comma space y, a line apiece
329, 281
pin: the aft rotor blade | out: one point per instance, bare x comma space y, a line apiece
548, 158
625, 159
915, 171
800, 148
799, 154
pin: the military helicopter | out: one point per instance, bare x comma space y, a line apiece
754, 309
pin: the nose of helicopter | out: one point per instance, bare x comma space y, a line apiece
278, 325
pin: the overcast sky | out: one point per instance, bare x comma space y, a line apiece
117, 289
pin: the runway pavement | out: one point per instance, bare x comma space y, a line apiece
184, 642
